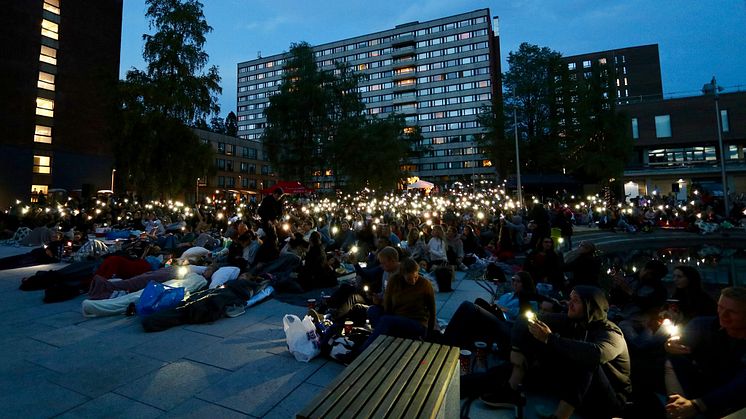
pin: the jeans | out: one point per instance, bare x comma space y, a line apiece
472, 323
397, 326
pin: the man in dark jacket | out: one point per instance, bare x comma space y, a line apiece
580, 356
270, 209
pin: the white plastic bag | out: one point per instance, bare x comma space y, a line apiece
302, 339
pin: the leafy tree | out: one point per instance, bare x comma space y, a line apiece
528, 86
373, 157
217, 124
595, 134
496, 144
231, 124
155, 148
297, 116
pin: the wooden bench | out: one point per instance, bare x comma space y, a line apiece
393, 378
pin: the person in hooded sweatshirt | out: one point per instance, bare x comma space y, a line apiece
580, 357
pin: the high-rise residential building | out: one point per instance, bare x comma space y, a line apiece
635, 71
437, 74
60, 67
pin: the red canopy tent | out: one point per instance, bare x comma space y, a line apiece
288, 187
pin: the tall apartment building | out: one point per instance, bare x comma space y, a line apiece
636, 71
437, 74
60, 67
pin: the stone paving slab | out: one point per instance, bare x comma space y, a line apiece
112, 405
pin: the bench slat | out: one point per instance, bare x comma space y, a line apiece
322, 403
390, 395
362, 390
447, 370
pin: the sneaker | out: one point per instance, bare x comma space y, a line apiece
507, 397
235, 310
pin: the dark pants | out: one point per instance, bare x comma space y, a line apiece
35, 257
397, 326
585, 388
472, 323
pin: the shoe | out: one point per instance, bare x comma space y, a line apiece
507, 397
131, 310
235, 310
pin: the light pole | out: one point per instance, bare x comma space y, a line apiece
517, 160
113, 171
196, 193
713, 88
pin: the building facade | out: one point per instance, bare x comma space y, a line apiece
676, 144
636, 71
60, 68
437, 74
242, 167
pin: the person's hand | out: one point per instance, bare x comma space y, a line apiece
675, 347
539, 330
679, 407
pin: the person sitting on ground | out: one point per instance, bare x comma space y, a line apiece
415, 245
408, 306
642, 293
437, 247
316, 272
455, 250
689, 299
581, 356
481, 321
545, 265
471, 242
706, 371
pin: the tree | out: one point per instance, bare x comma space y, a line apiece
528, 88
496, 144
217, 124
155, 147
297, 116
231, 124
373, 157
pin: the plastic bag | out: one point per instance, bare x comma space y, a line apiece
301, 336
158, 297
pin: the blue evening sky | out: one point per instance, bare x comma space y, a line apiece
697, 38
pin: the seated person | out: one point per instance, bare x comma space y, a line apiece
581, 356
316, 271
706, 371
480, 321
408, 306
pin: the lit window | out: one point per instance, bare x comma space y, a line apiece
663, 126
43, 134
586, 63
44, 107
571, 66
49, 29
46, 81
724, 125
48, 55
40, 189
635, 129
52, 6
602, 61
42, 164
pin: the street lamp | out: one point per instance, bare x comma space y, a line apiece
113, 171
517, 160
196, 193
708, 89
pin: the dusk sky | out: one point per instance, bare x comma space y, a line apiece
697, 38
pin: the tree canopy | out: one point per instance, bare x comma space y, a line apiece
316, 125
567, 122
155, 148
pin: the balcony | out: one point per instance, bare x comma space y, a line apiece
403, 40
405, 50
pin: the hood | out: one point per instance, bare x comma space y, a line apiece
596, 304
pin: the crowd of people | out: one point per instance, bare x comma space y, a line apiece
599, 347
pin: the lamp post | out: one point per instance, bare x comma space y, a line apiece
196, 193
713, 88
517, 160
113, 171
